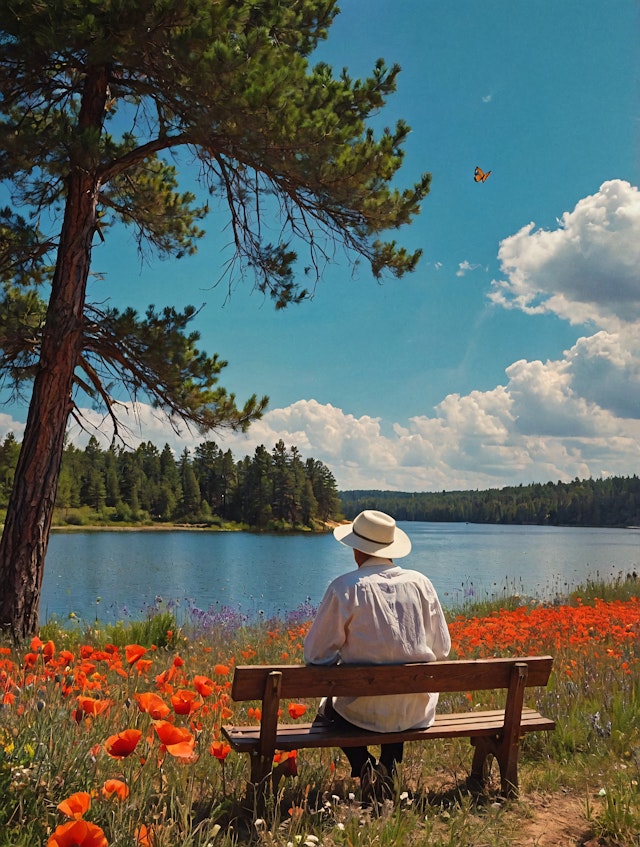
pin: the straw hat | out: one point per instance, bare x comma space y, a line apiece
375, 533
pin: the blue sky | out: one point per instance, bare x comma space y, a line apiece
512, 354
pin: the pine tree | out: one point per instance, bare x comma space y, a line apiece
98, 100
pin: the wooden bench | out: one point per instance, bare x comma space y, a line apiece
493, 733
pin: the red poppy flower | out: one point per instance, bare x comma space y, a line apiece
220, 750
115, 787
93, 707
133, 652
203, 685
145, 836
123, 743
78, 834
297, 710
76, 805
221, 670
152, 704
177, 741
185, 702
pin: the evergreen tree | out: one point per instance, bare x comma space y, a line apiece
98, 100
191, 496
9, 452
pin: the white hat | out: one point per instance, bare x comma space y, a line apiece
376, 533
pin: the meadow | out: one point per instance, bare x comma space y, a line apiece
111, 735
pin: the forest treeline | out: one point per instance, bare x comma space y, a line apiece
614, 501
270, 490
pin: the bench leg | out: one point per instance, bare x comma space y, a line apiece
507, 758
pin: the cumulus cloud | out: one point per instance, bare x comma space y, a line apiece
586, 270
482, 440
575, 416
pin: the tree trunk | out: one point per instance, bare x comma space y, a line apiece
30, 511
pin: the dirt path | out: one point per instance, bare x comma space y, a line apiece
557, 820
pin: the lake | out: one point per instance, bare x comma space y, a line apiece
118, 575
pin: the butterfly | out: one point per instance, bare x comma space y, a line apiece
480, 175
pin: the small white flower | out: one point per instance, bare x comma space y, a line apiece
311, 839
340, 826
352, 796
259, 823
404, 795
602, 792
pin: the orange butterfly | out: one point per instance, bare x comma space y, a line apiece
481, 176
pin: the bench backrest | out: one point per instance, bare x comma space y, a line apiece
299, 681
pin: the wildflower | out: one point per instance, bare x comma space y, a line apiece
133, 652
203, 685
78, 833
185, 702
122, 744
115, 788
92, 707
76, 805
221, 670
296, 710
152, 704
220, 750
175, 740
145, 836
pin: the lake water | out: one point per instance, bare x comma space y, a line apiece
115, 575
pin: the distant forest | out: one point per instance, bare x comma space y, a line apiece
280, 490
614, 501
274, 490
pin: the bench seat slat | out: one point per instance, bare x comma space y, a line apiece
245, 739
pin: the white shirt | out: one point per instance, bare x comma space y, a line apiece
380, 614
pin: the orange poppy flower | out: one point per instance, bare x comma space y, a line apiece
115, 787
152, 704
297, 710
221, 670
78, 834
220, 750
133, 652
76, 805
203, 685
91, 706
123, 743
143, 665
145, 836
185, 702
177, 741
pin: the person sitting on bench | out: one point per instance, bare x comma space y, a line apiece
379, 613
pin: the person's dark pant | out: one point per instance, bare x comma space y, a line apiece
390, 754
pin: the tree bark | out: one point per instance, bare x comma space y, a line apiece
30, 510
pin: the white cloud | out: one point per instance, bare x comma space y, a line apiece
571, 417
464, 267
584, 271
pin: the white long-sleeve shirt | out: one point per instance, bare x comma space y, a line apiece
380, 614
